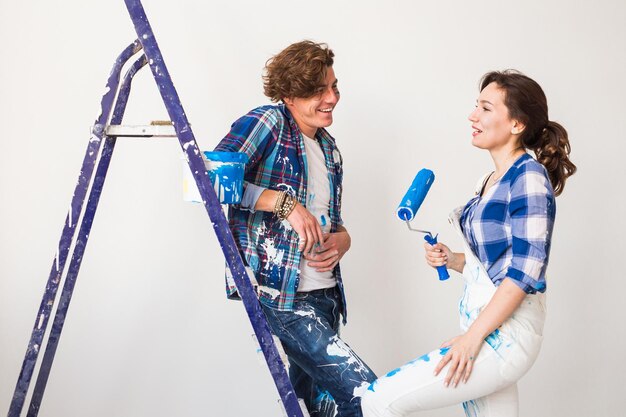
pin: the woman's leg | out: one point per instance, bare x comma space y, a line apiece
503, 403
413, 387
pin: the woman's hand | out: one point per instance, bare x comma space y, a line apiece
463, 351
307, 227
330, 253
439, 254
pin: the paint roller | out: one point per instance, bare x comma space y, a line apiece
412, 201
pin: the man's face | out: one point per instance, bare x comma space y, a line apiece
314, 112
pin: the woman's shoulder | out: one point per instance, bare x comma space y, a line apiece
526, 165
528, 174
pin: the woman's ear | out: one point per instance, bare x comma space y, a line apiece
517, 127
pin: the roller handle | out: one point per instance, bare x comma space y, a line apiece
441, 270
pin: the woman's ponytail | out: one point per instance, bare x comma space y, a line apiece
552, 151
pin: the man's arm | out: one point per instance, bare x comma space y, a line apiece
303, 222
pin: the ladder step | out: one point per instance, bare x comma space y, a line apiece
146, 131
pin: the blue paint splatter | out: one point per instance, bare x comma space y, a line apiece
424, 358
494, 340
471, 409
323, 395
392, 373
323, 404
323, 218
443, 351
371, 387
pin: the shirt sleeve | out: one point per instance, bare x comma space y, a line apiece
532, 212
251, 135
251, 194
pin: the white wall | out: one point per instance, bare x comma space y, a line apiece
149, 331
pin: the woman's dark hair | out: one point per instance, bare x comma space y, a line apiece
297, 71
527, 103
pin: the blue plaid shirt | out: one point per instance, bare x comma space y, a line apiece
510, 227
277, 161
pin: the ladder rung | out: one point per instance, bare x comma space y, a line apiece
164, 131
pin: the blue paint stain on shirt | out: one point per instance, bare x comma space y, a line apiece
443, 351
323, 218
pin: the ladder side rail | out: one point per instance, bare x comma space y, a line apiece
213, 207
67, 236
81, 241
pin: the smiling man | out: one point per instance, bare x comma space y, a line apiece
289, 229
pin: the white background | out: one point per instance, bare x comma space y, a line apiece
149, 330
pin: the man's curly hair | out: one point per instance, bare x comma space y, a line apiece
297, 71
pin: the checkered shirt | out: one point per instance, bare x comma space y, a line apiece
510, 227
277, 161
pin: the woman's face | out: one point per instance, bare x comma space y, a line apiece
493, 129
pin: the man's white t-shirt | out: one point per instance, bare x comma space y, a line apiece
318, 203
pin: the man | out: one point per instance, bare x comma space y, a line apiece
288, 227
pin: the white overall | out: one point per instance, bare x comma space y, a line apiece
507, 354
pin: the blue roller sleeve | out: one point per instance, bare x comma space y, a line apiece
416, 194
441, 270
412, 201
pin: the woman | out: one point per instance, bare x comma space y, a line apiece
506, 230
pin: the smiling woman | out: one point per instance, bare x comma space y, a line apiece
506, 230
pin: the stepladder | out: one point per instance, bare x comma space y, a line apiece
108, 128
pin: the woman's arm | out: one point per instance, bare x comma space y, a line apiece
507, 298
465, 348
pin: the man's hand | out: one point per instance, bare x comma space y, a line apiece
307, 228
330, 253
302, 221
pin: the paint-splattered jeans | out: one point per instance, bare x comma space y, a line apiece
320, 362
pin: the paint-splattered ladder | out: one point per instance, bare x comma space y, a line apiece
92, 175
